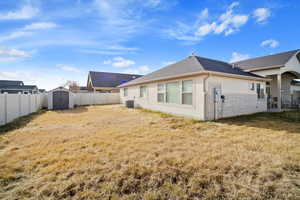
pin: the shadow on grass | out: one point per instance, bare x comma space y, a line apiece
284, 121
20, 122
75, 110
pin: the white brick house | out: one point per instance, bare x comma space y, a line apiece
199, 88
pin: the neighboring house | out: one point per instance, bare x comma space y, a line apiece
200, 88
107, 82
15, 87
283, 90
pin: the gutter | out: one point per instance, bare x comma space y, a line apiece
198, 73
205, 94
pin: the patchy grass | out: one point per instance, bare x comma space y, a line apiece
110, 152
19, 122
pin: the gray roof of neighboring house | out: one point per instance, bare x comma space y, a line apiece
19, 87
190, 65
279, 59
10, 83
110, 80
15, 85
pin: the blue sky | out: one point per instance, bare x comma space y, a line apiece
50, 42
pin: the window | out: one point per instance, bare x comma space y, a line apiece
173, 92
125, 92
143, 91
260, 91
161, 93
252, 86
187, 92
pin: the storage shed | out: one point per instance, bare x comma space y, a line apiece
60, 99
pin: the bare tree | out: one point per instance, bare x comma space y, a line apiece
72, 85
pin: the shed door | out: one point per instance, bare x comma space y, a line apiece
60, 100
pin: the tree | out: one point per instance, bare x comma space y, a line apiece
73, 85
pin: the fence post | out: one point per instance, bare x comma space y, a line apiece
20, 104
29, 103
5, 107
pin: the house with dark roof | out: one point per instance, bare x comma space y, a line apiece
200, 88
15, 87
107, 82
283, 90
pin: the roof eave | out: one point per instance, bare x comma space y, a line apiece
195, 74
263, 68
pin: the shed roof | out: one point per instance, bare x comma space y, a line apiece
110, 80
189, 65
279, 59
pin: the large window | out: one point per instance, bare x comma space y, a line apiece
179, 92
143, 91
161, 93
125, 92
187, 92
173, 93
260, 91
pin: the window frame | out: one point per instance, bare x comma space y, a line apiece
260, 91
125, 92
180, 83
142, 95
161, 92
186, 92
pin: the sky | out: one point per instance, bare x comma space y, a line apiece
50, 42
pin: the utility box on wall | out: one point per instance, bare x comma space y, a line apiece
60, 99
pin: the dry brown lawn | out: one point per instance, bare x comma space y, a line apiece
110, 152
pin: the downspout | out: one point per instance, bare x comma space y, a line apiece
205, 93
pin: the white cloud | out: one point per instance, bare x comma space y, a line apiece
261, 14
43, 79
107, 62
228, 23
140, 70
122, 62
68, 68
119, 62
238, 57
8, 54
168, 63
270, 43
131, 71
111, 50
144, 69
204, 14
26, 12
40, 25
14, 35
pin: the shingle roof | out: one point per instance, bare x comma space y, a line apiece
19, 87
190, 65
9, 82
110, 80
279, 59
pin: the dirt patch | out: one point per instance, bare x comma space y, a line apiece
110, 152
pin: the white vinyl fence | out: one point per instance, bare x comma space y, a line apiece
81, 99
13, 106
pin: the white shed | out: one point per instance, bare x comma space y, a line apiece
60, 99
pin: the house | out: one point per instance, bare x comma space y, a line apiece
14, 87
107, 82
199, 88
283, 91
